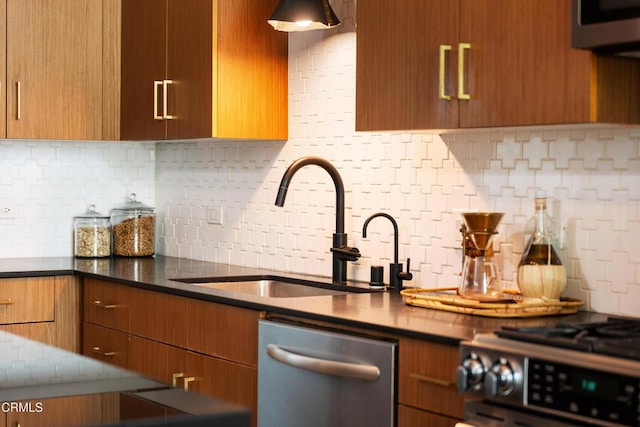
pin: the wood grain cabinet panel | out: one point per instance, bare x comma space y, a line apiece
224, 331
105, 344
199, 69
443, 64
53, 85
198, 345
27, 301
43, 309
106, 304
427, 378
74, 411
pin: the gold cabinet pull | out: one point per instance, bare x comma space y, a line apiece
165, 99
18, 100
431, 380
187, 381
6, 302
174, 378
461, 52
100, 304
101, 352
156, 85
441, 72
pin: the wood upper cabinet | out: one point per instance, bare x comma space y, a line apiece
442, 64
53, 85
200, 69
398, 61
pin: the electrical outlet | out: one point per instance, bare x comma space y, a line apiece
7, 211
214, 215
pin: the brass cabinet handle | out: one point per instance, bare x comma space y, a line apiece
441, 72
165, 100
156, 85
431, 380
6, 302
187, 381
18, 100
174, 378
100, 304
101, 352
461, 49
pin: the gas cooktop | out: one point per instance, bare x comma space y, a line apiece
614, 336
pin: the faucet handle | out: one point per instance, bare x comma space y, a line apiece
406, 275
347, 253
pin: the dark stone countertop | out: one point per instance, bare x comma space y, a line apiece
381, 311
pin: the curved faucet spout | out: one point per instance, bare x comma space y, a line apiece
395, 231
333, 172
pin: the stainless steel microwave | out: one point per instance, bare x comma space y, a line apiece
609, 26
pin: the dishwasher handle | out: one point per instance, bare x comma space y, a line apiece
329, 367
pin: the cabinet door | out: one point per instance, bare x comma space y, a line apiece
54, 68
521, 69
3, 69
106, 345
411, 417
190, 68
75, 411
107, 304
143, 51
426, 377
398, 63
225, 380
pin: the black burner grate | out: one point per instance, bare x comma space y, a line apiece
615, 336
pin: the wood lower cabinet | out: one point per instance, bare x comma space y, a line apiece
449, 64
106, 344
185, 342
427, 392
43, 309
74, 411
411, 417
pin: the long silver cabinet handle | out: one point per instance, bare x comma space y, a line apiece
329, 367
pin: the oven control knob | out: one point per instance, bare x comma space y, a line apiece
470, 373
500, 380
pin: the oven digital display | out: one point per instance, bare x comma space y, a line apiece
583, 392
595, 384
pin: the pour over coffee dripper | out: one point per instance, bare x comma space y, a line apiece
479, 272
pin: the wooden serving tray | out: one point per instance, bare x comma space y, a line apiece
513, 305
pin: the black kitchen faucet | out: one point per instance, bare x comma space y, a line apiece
341, 252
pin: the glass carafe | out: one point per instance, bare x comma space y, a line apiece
541, 275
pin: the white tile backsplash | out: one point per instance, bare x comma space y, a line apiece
48, 183
591, 176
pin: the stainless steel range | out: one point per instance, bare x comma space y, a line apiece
566, 375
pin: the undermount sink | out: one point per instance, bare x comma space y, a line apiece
272, 287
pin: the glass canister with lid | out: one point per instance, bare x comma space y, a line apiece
134, 229
92, 235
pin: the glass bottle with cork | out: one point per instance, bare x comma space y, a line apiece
541, 274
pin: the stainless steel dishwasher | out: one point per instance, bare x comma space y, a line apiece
317, 378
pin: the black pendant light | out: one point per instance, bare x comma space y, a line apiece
303, 15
